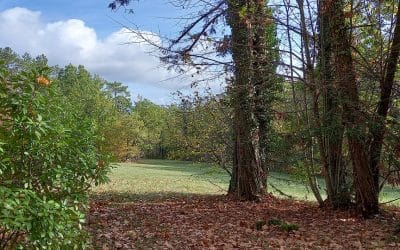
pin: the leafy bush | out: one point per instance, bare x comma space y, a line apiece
274, 222
289, 227
283, 225
35, 222
48, 161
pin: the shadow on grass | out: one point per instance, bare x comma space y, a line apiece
172, 163
126, 197
188, 168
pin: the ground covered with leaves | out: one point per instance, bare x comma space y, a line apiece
220, 222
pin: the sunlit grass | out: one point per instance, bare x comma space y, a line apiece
159, 178
155, 179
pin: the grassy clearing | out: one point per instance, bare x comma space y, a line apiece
157, 179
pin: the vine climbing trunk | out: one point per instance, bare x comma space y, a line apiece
264, 79
247, 181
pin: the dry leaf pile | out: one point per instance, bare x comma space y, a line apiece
220, 222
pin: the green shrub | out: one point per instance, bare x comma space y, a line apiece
275, 222
48, 161
260, 224
37, 222
283, 225
289, 227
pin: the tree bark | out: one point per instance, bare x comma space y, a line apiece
248, 179
331, 141
386, 86
263, 78
354, 120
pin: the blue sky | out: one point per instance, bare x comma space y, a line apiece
88, 33
149, 14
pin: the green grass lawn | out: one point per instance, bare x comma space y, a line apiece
157, 179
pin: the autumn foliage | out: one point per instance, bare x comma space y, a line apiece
220, 222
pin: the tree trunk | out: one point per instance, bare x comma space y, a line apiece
264, 55
386, 86
309, 75
345, 78
331, 141
247, 183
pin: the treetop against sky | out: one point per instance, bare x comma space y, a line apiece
90, 34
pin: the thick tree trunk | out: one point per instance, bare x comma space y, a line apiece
345, 78
386, 85
263, 79
248, 179
333, 131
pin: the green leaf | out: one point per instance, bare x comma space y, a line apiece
38, 135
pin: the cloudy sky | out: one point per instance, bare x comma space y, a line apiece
88, 33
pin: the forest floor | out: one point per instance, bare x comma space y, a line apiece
176, 205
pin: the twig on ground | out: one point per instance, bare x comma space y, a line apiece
219, 187
280, 191
386, 202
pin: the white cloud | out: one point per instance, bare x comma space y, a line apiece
113, 57
71, 41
